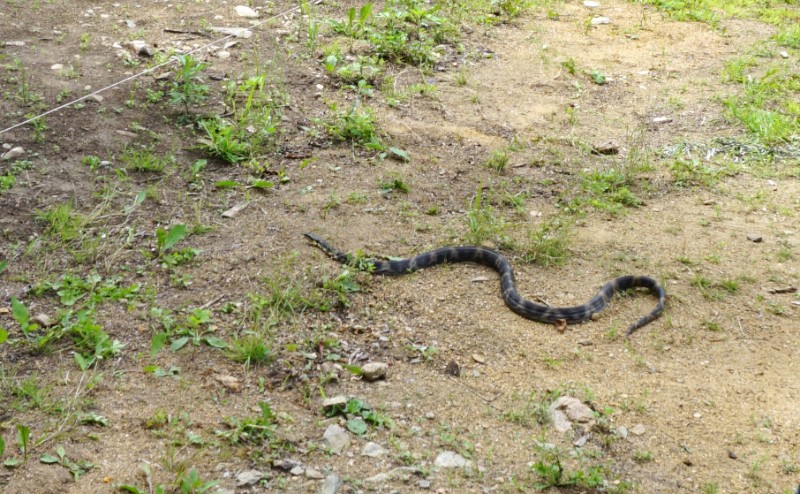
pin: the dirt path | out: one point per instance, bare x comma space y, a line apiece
705, 399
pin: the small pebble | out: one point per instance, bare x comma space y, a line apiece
245, 11
638, 430
373, 371
755, 238
596, 21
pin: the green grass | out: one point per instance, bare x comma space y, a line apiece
143, 159
485, 225
604, 190
357, 124
548, 243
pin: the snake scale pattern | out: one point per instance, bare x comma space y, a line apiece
512, 298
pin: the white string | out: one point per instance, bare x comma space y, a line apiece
147, 71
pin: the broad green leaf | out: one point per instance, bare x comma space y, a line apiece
179, 343
157, 343
11, 462
83, 362
227, 184
168, 239
45, 458
3, 338
399, 154
3, 266
23, 436
354, 369
262, 184
357, 426
2, 446
20, 313
215, 342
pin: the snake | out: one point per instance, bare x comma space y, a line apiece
511, 297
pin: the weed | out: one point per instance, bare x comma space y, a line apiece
191, 483
356, 23
250, 430
361, 415
195, 327
548, 243
63, 222
188, 88
250, 350
552, 472
393, 183
497, 161
484, 225
511, 9
142, 159
710, 488
643, 456
224, 141
357, 125
76, 468
86, 38
687, 173
39, 126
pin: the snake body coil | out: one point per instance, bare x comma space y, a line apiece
512, 298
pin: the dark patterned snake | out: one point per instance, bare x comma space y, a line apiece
488, 257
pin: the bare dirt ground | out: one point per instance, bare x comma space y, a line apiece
704, 399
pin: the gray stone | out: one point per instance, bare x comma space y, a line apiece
334, 402
399, 472
373, 450
298, 470
451, 459
374, 371
313, 473
142, 48
622, 432
239, 32
248, 478
330, 485
245, 11
424, 484
336, 439
638, 430
568, 410
753, 237
13, 153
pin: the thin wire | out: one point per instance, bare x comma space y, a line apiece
147, 71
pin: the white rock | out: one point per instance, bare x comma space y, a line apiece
373, 450
330, 485
223, 54
313, 473
245, 11
239, 32
13, 153
373, 371
451, 459
57, 66
336, 439
566, 410
591, 4
596, 21
248, 477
